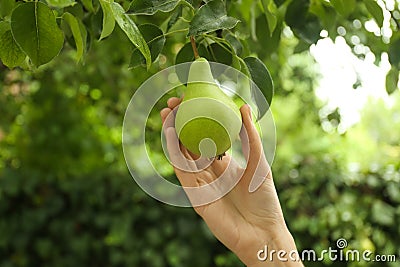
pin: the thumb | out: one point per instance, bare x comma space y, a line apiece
257, 168
251, 142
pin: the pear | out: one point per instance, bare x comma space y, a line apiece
207, 120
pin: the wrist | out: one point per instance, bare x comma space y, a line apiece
280, 250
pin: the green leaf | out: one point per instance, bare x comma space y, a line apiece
150, 7
108, 19
393, 191
211, 17
10, 53
79, 34
304, 24
271, 12
375, 10
88, 4
4, 26
394, 55
155, 40
61, 3
328, 17
301, 46
383, 213
6, 7
76, 10
296, 13
235, 43
278, 3
174, 17
261, 77
392, 80
185, 54
195, 2
34, 28
264, 43
132, 31
344, 7
221, 53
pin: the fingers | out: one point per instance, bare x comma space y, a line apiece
172, 144
173, 102
179, 156
168, 120
164, 114
179, 160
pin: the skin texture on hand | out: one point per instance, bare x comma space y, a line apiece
249, 216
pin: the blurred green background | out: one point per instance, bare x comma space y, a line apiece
67, 198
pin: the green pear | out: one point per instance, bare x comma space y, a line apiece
207, 120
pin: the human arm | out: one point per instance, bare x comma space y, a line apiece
247, 218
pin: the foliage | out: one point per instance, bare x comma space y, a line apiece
97, 220
223, 28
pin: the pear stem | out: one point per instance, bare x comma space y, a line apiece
194, 47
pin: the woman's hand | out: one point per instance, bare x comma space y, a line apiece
249, 216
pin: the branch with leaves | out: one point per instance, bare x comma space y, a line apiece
34, 33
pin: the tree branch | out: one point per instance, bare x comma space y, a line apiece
194, 47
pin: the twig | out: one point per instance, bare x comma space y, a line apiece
194, 47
